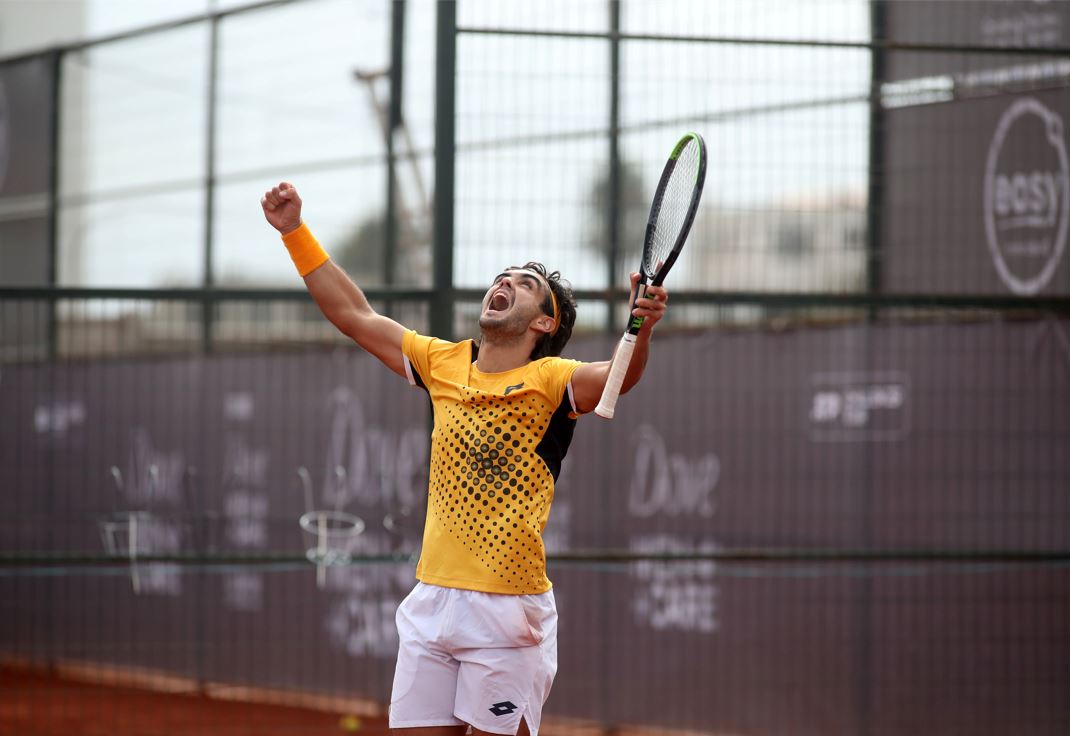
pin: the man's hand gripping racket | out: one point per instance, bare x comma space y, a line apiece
671, 216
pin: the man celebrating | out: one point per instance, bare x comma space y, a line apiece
478, 633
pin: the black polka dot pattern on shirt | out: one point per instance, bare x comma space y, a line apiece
488, 488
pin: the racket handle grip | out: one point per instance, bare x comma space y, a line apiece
617, 370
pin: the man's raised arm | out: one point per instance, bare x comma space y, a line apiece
341, 301
590, 378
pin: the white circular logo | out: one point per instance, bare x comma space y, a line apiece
1027, 196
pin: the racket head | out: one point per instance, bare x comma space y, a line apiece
673, 210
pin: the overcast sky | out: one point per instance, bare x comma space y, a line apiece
134, 127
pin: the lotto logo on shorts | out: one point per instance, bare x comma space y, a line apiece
503, 708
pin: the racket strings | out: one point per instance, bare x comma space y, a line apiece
671, 216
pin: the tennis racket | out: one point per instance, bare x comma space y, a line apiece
671, 215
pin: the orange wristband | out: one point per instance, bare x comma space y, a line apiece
304, 249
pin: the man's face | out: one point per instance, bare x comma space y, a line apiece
514, 299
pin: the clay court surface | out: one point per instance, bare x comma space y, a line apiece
35, 702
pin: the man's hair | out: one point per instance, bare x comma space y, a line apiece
553, 344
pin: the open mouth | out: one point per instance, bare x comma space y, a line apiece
499, 302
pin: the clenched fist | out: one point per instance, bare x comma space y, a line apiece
282, 207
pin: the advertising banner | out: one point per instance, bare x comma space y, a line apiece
891, 437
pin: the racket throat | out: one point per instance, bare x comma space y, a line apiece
636, 323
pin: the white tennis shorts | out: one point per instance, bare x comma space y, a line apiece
484, 659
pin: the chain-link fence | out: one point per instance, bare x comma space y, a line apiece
837, 502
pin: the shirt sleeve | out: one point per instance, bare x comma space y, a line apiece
557, 379
417, 349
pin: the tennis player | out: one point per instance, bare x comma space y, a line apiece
478, 633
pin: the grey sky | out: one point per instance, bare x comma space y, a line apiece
134, 144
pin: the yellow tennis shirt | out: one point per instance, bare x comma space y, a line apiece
496, 450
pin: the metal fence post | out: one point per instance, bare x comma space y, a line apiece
442, 304
207, 304
394, 117
874, 234
613, 204
52, 336
875, 165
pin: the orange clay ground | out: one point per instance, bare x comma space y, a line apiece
34, 702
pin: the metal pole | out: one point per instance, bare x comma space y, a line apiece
613, 204
48, 375
52, 337
875, 164
207, 304
445, 150
874, 236
602, 646
397, 60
